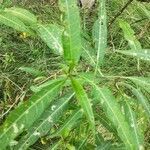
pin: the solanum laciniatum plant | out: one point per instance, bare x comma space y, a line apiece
68, 112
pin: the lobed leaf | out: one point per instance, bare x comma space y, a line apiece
44, 123
71, 36
51, 35
143, 54
100, 33
22, 14
84, 102
13, 22
25, 115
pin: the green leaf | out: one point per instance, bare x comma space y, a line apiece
22, 14
68, 124
32, 71
100, 33
140, 97
71, 36
55, 145
13, 22
114, 114
131, 118
106, 123
51, 35
129, 35
143, 54
143, 82
104, 146
112, 109
44, 123
84, 102
37, 88
88, 53
25, 115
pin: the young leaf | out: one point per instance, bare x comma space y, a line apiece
143, 54
13, 22
100, 33
68, 124
25, 115
71, 36
44, 123
51, 35
84, 102
129, 35
22, 14
131, 118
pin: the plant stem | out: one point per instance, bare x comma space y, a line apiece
120, 12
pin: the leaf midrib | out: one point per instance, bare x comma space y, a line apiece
47, 119
68, 16
135, 127
11, 21
24, 16
68, 122
114, 115
55, 39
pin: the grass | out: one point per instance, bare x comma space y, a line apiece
16, 52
